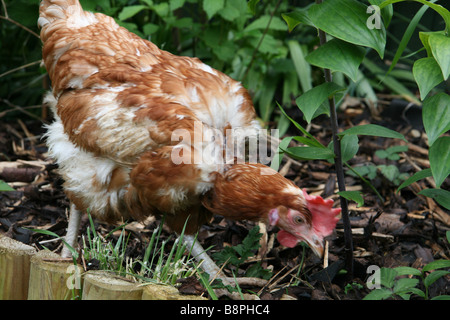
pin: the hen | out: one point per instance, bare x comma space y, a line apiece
131, 138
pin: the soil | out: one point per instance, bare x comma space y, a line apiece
389, 230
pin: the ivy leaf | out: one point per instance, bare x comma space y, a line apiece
347, 20
346, 57
5, 187
211, 7
436, 116
427, 74
353, 196
440, 46
439, 155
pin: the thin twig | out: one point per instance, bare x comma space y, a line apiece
7, 18
20, 68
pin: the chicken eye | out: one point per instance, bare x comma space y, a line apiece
298, 220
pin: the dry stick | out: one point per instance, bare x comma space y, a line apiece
339, 169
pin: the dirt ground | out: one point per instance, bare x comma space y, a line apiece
401, 229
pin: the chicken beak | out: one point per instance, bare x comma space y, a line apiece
316, 246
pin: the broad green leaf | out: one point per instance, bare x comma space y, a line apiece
436, 116
434, 276
401, 271
440, 46
404, 285
294, 18
439, 155
437, 264
387, 277
373, 130
347, 20
346, 57
310, 153
349, 147
427, 74
212, 7
311, 100
353, 196
439, 195
5, 187
415, 177
378, 294
130, 11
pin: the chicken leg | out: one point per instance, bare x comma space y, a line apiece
72, 231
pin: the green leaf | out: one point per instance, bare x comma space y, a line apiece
436, 116
251, 5
401, 271
439, 195
310, 153
427, 74
403, 285
379, 294
445, 14
442, 297
347, 20
346, 57
262, 23
373, 130
211, 7
5, 187
311, 100
440, 46
276, 160
130, 11
391, 172
407, 36
437, 264
439, 155
353, 196
349, 147
313, 141
294, 18
415, 177
434, 276
302, 67
387, 277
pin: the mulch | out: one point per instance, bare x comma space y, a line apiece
402, 229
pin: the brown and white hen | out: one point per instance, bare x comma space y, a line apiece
126, 135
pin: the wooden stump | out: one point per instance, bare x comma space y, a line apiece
14, 269
53, 278
102, 285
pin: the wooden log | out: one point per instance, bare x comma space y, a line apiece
102, 285
14, 269
165, 292
53, 278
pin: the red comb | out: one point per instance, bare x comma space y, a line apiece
324, 216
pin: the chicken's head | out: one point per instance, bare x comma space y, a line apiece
310, 223
256, 192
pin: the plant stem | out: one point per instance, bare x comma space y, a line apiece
339, 168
